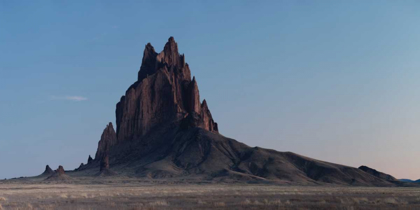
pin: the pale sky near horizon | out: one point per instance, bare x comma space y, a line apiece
333, 80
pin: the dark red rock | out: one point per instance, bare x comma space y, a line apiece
58, 175
149, 63
108, 139
208, 121
60, 170
104, 163
193, 103
163, 93
163, 131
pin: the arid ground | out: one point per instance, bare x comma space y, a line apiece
202, 196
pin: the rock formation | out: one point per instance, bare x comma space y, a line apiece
58, 175
164, 130
104, 163
108, 139
89, 159
164, 92
104, 166
80, 166
48, 171
60, 170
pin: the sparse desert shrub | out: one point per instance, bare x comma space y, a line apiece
246, 202
3, 199
220, 204
275, 202
390, 201
159, 203
360, 200
257, 202
201, 202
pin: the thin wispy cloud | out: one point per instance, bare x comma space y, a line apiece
69, 98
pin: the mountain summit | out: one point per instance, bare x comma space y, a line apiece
163, 93
164, 130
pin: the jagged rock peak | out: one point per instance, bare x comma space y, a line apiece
89, 159
47, 171
164, 93
170, 54
60, 170
193, 97
148, 65
108, 139
208, 121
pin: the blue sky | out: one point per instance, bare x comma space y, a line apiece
333, 80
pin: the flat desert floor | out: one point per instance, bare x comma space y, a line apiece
203, 196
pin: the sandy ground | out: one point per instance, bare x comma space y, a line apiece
205, 196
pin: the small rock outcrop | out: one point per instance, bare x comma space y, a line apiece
89, 159
58, 175
60, 170
80, 166
48, 171
108, 139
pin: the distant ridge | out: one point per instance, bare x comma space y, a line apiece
409, 180
378, 174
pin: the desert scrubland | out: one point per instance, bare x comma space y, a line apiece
203, 196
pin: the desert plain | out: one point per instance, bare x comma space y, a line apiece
130, 194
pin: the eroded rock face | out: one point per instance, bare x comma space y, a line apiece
108, 139
163, 131
104, 163
208, 121
60, 170
47, 171
163, 93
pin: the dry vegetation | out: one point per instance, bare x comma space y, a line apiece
217, 196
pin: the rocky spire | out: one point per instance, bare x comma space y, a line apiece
58, 174
108, 139
170, 54
89, 159
164, 93
208, 121
60, 170
148, 65
193, 95
47, 171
